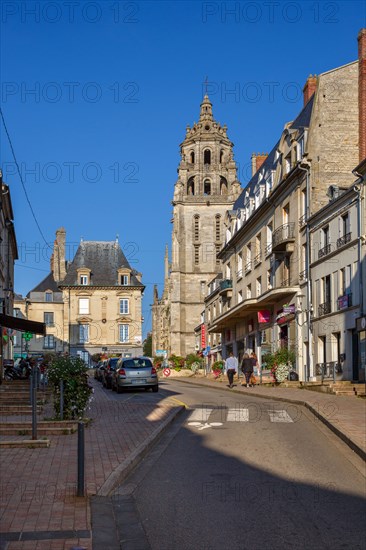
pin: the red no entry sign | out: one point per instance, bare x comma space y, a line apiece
166, 372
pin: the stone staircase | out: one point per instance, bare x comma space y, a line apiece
342, 387
16, 417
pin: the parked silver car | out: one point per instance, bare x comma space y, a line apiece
135, 372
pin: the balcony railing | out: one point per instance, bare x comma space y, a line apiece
303, 276
344, 240
268, 250
302, 220
344, 301
257, 260
324, 309
239, 274
283, 234
248, 267
325, 251
226, 284
286, 282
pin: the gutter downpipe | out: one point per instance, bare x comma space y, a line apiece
309, 359
358, 188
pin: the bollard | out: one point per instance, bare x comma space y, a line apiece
61, 399
81, 460
34, 405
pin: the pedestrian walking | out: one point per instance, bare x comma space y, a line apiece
253, 357
231, 368
247, 369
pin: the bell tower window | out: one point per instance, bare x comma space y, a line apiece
207, 187
207, 156
221, 156
192, 157
223, 186
190, 186
196, 228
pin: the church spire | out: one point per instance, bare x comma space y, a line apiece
206, 109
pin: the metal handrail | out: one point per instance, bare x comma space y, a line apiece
344, 240
283, 233
325, 250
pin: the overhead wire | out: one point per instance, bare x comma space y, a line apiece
21, 179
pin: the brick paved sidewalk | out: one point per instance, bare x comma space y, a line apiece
38, 486
344, 415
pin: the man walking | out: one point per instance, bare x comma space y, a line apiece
231, 368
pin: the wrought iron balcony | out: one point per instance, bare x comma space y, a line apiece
257, 260
344, 240
248, 267
286, 282
283, 235
325, 251
268, 250
302, 221
344, 301
303, 276
239, 274
324, 309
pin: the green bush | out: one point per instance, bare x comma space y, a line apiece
218, 365
77, 392
177, 362
193, 359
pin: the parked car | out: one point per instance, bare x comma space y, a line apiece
98, 372
109, 368
135, 372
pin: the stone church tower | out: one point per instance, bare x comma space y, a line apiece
206, 188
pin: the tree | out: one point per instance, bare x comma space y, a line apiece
147, 347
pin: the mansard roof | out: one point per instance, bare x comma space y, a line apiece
48, 283
301, 121
103, 259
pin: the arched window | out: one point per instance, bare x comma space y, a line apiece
196, 227
223, 186
190, 186
192, 157
207, 187
207, 156
221, 156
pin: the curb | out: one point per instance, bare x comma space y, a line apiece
358, 450
123, 470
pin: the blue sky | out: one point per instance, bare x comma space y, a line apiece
97, 96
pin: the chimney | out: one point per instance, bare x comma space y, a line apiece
58, 263
310, 88
362, 92
257, 161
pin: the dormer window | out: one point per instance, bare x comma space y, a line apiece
83, 276
124, 280
84, 279
48, 296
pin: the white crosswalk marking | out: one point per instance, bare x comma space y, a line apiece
200, 415
238, 415
279, 416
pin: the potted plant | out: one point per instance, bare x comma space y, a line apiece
280, 363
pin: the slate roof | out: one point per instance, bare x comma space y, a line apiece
103, 258
48, 283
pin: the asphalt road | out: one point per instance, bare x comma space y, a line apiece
238, 472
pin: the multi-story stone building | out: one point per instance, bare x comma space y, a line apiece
272, 274
90, 305
206, 188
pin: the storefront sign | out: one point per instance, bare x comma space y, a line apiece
289, 309
283, 317
203, 336
264, 316
361, 323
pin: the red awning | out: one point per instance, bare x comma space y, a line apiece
23, 325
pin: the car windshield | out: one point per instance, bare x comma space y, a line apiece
137, 363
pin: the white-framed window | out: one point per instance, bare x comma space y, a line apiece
249, 291
83, 306
48, 318
124, 305
49, 341
259, 286
48, 296
240, 296
124, 333
83, 279
83, 334
124, 280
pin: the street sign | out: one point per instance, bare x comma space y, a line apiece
166, 372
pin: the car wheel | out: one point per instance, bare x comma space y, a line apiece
155, 388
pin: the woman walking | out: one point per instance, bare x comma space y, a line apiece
247, 368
